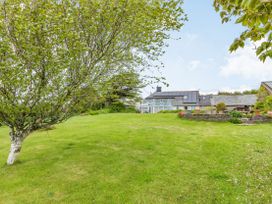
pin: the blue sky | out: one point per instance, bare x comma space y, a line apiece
200, 60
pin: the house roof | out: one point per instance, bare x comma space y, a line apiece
205, 100
267, 85
234, 100
188, 96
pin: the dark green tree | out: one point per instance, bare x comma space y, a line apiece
123, 87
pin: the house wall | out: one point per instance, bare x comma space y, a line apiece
157, 105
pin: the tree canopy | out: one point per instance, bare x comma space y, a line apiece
247, 92
123, 86
50, 50
256, 16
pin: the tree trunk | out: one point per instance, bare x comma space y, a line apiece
15, 147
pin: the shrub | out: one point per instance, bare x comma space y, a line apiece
117, 107
235, 121
220, 107
259, 105
235, 114
93, 112
268, 103
97, 112
114, 110
181, 114
129, 109
247, 115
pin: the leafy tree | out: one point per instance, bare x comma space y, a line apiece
85, 99
51, 50
268, 103
259, 106
265, 105
247, 92
123, 87
220, 107
262, 94
256, 16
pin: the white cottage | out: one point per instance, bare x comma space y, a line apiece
174, 100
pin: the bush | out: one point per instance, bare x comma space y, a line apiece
259, 106
93, 112
235, 114
97, 112
247, 115
114, 108
129, 109
268, 103
181, 114
117, 107
235, 121
220, 107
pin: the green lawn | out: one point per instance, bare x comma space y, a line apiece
133, 158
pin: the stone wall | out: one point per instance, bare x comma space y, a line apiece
225, 118
260, 119
208, 117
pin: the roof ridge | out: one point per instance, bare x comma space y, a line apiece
178, 91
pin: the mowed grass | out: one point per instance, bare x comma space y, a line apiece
133, 158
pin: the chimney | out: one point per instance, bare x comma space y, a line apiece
159, 89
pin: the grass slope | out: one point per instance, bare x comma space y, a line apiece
130, 158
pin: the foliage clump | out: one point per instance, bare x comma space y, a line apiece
220, 107
256, 17
235, 114
235, 120
181, 114
248, 92
235, 117
264, 101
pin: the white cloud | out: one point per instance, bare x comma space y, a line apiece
245, 63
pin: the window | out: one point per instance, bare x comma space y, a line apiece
157, 102
185, 97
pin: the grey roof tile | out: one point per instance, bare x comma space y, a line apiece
234, 100
189, 96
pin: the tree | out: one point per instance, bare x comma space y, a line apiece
247, 92
85, 99
262, 94
124, 86
256, 16
220, 107
268, 103
50, 50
